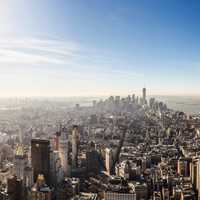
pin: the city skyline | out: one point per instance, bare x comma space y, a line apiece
99, 100
68, 48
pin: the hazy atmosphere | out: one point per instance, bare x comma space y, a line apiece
74, 48
99, 100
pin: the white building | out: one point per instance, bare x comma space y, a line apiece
108, 160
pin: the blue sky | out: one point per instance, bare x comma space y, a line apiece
99, 47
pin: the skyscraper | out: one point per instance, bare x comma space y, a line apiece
20, 162
40, 158
75, 138
92, 159
144, 95
63, 152
108, 160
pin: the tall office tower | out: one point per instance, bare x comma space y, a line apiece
75, 140
56, 140
40, 158
63, 152
56, 168
144, 95
108, 160
152, 102
93, 163
20, 134
20, 161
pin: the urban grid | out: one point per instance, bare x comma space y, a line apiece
119, 148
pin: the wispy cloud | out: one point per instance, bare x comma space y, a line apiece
36, 51
36, 66
76, 59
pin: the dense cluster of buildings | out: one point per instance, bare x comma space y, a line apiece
117, 149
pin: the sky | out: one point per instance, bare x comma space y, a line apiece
99, 47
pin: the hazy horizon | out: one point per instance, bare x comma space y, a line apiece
187, 104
